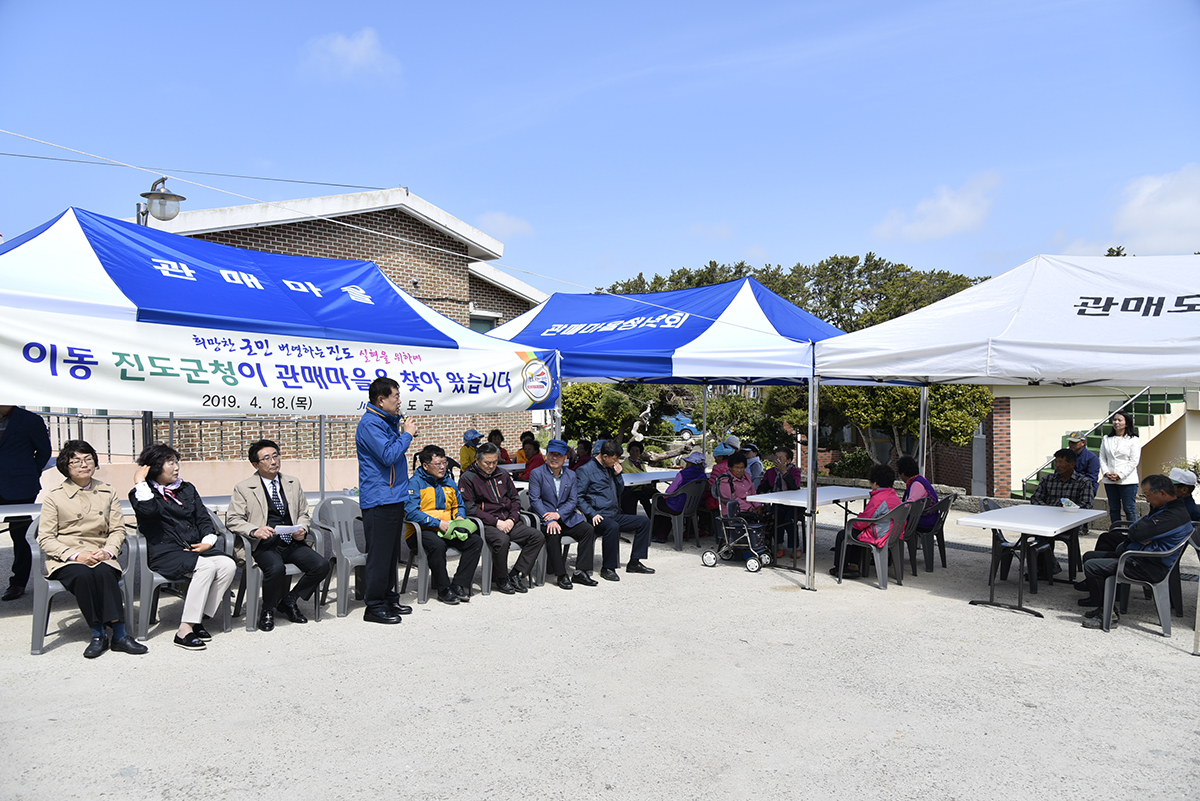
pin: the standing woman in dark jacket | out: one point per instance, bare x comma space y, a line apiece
179, 532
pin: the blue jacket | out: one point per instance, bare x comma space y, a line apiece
599, 489
382, 469
1161, 530
1087, 464
432, 500
543, 498
24, 451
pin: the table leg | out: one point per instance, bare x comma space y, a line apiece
1022, 551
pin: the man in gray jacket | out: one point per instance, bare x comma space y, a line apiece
600, 487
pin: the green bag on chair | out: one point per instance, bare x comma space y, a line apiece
458, 530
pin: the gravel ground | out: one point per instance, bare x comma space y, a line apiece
694, 683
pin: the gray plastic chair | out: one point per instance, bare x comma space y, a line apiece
1003, 551
152, 583
536, 578
693, 493
412, 530
1161, 589
335, 517
252, 580
925, 539
44, 590
896, 520
916, 509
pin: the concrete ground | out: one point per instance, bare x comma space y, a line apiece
694, 683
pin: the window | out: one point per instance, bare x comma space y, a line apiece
483, 324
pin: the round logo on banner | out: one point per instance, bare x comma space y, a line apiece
536, 380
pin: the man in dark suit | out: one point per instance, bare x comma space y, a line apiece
554, 498
259, 505
24, 451
600, 487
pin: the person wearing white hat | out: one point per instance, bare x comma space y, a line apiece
1185, 483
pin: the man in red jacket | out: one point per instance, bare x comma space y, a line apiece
490, 495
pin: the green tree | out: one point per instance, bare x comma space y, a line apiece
1119, 250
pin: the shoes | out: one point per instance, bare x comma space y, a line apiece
400, 609
564, 581
583, 578
608, 574
290, 608
13, 593
638, 567
448, 596
505, 587
781, 553
464, 596
1090, 601
847, 573
97, 646
201, 632
798, 553
381, 617
518, 584
266, 621
1082, 586
190, 642
1095, 619
658, 539
128, 645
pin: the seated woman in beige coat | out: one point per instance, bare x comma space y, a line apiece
82, 532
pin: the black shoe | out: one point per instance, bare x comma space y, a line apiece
97, 646
448, 596
266, 621
1082, 586
608, 574
190, 642
13, 593
517, 583
583, 578
638, 567
201, 632
128, 645
380, 617
290, 608
400, 609
464, 596
564, 581
1095, 620
505, 587
1090, 601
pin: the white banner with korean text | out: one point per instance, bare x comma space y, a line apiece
52, 359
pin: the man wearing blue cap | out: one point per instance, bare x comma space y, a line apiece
600, 487
554, 498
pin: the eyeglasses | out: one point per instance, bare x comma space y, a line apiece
438, 463
268, 457
82, 462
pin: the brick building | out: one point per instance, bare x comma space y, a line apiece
437, 258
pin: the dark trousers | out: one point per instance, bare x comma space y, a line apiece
22, 558
273, 556
530, 539
469, 551
632, 496
1099, 565
1121, 497
95, 590
609, 532
383, 527
585, 555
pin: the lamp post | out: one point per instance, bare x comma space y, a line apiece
160, 204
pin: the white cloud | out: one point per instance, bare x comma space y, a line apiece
504, 226
1161, 214
339, 57
756, 254
948, 212
713, 232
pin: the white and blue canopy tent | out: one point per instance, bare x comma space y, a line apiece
738, 332
108, 314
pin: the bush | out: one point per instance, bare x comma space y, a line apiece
855, 464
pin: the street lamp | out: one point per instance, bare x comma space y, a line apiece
160, 203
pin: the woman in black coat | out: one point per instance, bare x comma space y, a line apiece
180, 540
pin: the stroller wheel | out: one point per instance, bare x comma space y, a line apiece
766, 558
709, 558
753, 565
726, 554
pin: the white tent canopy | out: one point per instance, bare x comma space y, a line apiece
1052, 320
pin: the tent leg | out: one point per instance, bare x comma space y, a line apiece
704, 433
923, 441
321, 454
810, 547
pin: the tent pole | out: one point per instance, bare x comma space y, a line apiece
810, 545
557, 413
321, 452
704, 433
923, 441
147, 428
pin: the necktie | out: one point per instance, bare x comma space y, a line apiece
287, 538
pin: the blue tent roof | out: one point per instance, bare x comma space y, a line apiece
736, 332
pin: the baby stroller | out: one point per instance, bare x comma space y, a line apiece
736, 537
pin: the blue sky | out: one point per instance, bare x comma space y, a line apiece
604, 140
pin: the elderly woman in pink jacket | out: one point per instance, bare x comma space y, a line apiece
882, 500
